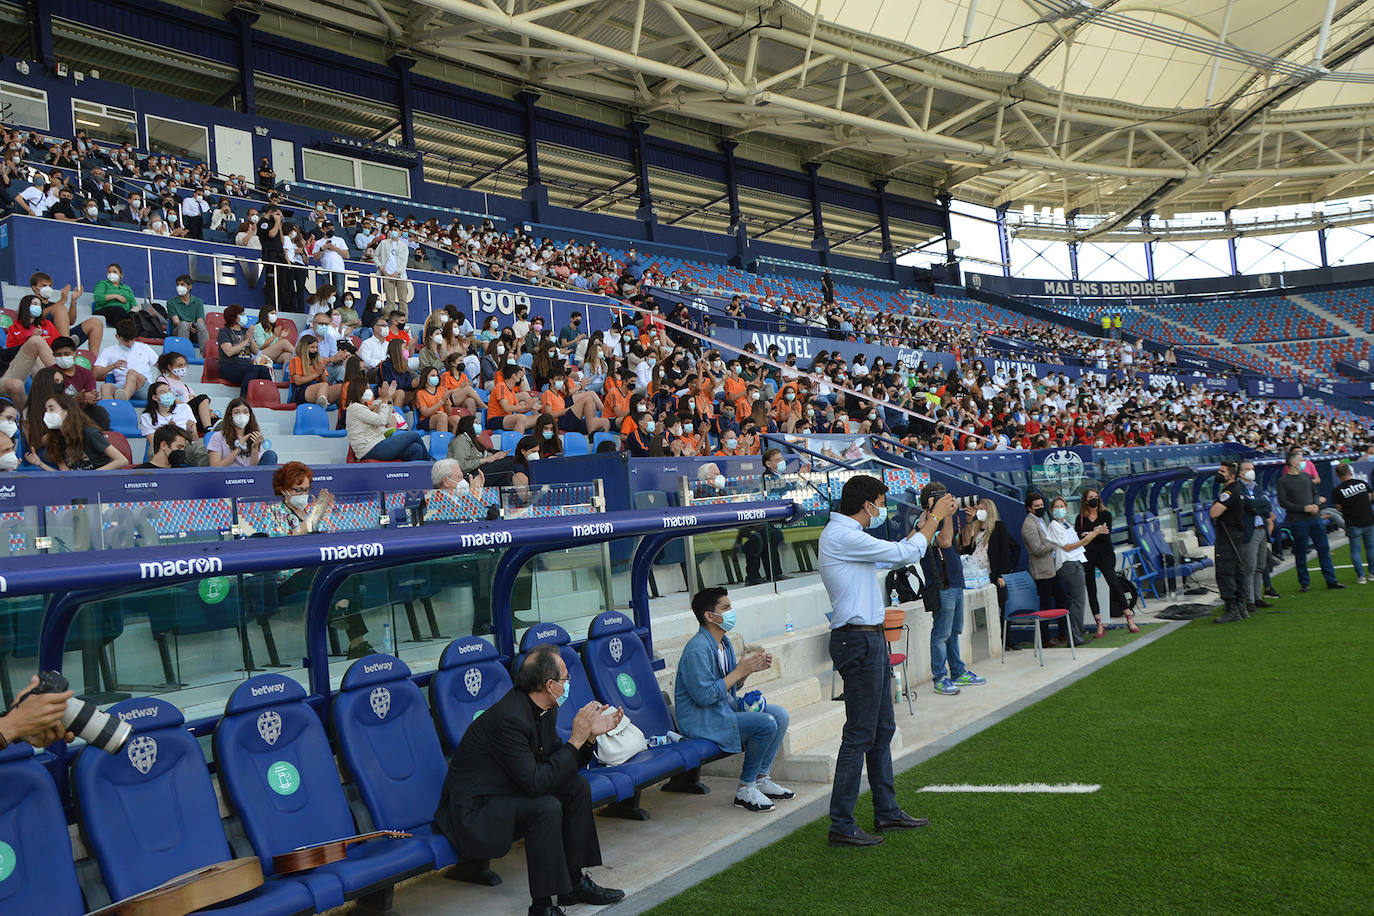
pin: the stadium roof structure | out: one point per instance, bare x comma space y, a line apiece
1109, 110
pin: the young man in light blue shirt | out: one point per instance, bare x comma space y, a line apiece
849, 561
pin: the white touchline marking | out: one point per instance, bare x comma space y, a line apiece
1070, 788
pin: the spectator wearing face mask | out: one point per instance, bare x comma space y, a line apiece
272, 337
167, 448
390, 256
112, 298
193, 211
163, 408
237, 352
372, 432
70, 441
186, 313
238, 441
127, 367
330, 252
445, 502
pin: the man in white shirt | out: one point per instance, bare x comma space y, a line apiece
391, 256
127, 367
193, 210
849, 563
373, 350
330, 251
35, 200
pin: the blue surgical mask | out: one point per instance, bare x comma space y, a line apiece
476, 428
562, 697
547, 434
877, 520
167, 399
1059, 512
727, 621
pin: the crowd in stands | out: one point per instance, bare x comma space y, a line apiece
654, 381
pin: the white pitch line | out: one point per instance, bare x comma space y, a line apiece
1070, 788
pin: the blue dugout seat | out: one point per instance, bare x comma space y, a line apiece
149, 813
280, 777
469, 680
621, 674
391, 751
35, 847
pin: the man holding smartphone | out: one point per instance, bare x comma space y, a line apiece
849, 561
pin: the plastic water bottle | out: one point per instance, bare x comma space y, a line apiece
388, 644
787, 625
658, 740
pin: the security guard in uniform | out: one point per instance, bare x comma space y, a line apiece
1234, 518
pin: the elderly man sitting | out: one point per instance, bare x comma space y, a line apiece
708, 704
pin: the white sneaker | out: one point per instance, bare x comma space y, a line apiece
768, 787
751, 799
1362, 580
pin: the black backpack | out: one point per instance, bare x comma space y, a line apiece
903, 584
150, 320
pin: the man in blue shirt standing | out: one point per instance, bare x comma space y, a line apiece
849, 563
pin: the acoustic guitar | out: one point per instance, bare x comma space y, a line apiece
323, 853
192, 891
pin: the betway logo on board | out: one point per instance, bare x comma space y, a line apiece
679, 521
195, 566
379, 666
470, 647
351, 552
484, 539
143, 713
270, 688
592, 529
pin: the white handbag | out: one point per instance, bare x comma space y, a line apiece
620, 743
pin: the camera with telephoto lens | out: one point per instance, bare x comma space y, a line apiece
83, 719
932, 493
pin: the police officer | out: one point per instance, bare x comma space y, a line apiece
1234, 518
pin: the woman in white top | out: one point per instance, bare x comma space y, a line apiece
163, 409
1073, 561
372, 432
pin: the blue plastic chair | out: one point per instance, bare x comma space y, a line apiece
313, 420
469, 680
1023, 609
43, 878
438, 444
183, 346
510, 439
182, 832
575, 444
123, 417
598, 438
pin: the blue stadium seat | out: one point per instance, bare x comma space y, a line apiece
313, 420
469, 680
141, 843
280, 777
34, 843
575, 444
183, 346
509, 440
438, 444
618, 667
625, 782
598, 438
388, 744
123, 417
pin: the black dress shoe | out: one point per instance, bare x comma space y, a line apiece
1262, 603
588, 891
549, 910
1334, 585
902, 821
857, 838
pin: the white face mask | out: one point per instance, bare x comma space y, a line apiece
1248, 476
53, 419
112, 276
299, 500
65, 362
183, 290
9, 428
718, 481
179, 372
240, 420
9, 462
367, 395
982, 515
272, 317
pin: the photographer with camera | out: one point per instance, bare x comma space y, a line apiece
849, 560
35, 718
943, 573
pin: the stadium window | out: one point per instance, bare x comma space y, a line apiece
1119, 261
1041, 260
1350, 245
177, 138
24, 106
1190, 260
104, 122
331, 168
1272, 254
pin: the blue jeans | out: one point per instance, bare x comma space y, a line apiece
1361, 540
862, 660
267, 457
944, 634
761, 733
1313, 529
402, 445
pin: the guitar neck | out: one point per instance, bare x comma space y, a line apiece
349, 841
